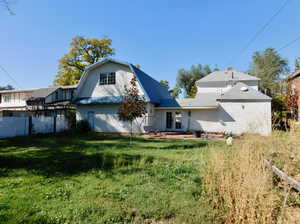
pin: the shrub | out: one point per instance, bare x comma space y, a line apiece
229, 134
83, 126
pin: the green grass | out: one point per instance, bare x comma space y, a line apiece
101, 179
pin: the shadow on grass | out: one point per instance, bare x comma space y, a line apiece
70, 155
55, 163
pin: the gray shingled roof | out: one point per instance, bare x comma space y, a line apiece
207, 100
237, 93
220, 76
41, 93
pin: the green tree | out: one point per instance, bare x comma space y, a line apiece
297, 64
175, 92
83, 52
270, 67
133, 105
165, 83
8, 87
186, 78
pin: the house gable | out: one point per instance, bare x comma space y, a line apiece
89, 85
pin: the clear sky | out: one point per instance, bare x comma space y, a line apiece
160, 35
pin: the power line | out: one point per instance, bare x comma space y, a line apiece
10, 76
260, 31
289, 43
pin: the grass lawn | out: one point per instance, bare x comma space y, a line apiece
102, 179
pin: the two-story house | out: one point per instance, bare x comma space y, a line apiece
43, 101
227, 101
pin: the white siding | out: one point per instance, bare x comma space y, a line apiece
107, 120
91, 87
16, 100
241, 117
235, 117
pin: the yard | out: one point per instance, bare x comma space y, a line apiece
102, 179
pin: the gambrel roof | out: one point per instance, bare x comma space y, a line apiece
154, 91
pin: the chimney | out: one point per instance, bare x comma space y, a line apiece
229, 69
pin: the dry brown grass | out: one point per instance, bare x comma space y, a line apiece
239, 184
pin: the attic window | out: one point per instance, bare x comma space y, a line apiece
107, 78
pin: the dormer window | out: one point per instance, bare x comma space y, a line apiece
107, 78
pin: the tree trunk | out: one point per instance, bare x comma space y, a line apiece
130, 132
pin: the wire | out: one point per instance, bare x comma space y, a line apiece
10, 76
260, 31
289, 43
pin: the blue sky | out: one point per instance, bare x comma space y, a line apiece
160, 35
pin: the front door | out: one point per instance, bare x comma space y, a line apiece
174, 121
91, 120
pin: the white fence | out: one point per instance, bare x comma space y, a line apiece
18, 126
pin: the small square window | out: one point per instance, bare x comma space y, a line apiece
103, 79
111, 79
107, 79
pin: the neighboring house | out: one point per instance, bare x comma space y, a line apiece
227, 101
294, 84
44, 101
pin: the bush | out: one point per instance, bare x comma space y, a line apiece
229, 134
83, 126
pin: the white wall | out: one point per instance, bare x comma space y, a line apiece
235, 117
241, 117
91, 87
107, 120
18, 126
16, 100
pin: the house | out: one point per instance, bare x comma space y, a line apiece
43, 101
227, 101
294, 84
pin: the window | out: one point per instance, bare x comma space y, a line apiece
107, 78
56, 95
178, 119
7, 98
103, 79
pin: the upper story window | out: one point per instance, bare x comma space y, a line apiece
107, 78
7, 98
56, 95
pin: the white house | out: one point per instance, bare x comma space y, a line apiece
19, 102
226, 101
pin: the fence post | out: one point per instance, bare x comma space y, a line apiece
54, 124
30, 125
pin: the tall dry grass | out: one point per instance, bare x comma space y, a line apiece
239, 184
